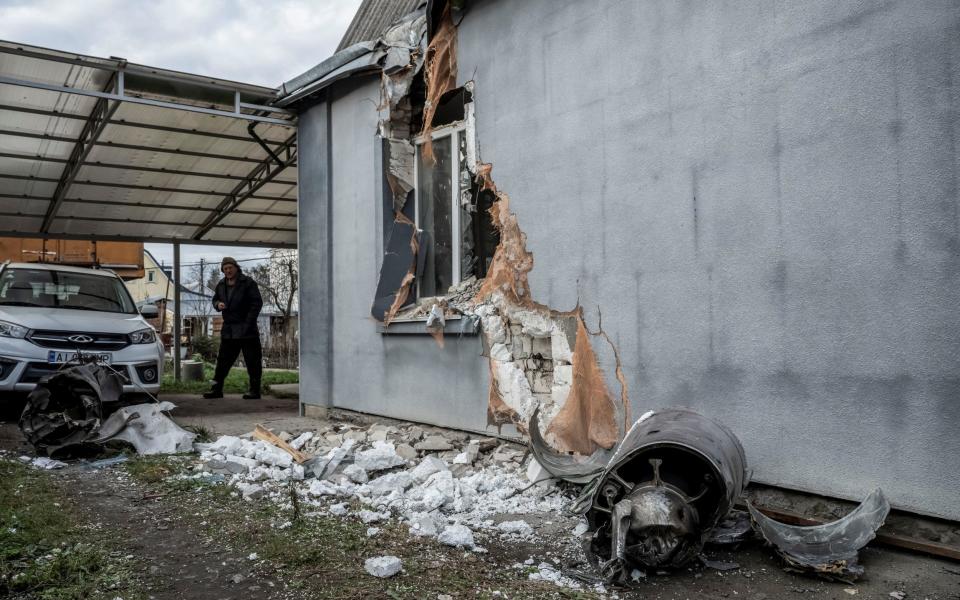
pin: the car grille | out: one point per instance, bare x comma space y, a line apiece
60, 339
36, 371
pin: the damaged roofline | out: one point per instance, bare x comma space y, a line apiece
354, 60
360, 58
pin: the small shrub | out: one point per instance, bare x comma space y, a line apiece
206, 346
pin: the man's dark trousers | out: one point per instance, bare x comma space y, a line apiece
230, 349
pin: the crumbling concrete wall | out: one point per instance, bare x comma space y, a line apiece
763, 200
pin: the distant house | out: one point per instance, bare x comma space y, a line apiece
156, 282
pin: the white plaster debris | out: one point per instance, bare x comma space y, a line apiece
427, 467
548, 572
383, 566
338, 510
356, 474
521, 528
457, 535
382, 456
42, 462
370, 516
478, 489
301, 439
581, 528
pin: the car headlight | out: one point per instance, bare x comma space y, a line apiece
144, 336
12, 330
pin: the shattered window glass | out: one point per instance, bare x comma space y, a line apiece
435, 193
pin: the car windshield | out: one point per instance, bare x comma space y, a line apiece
64, 289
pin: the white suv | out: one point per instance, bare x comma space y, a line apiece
50, 313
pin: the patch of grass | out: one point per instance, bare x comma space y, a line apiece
151, 469
45, 552
204, 434
322, 557
237, 381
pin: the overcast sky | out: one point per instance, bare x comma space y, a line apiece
252, 41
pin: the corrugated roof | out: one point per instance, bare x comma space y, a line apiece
94, 148
373, 18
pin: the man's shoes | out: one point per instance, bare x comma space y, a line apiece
251, 396
212, 394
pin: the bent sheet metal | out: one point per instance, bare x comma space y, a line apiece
831, 549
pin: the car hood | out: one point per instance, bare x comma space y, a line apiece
65, 319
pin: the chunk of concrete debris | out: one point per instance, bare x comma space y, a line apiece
385, 484
460, 470
370, 516
406, 451
356, 473
458, 536
225, 444
521, 528
441, 490
505, 454
469, 454
380, 433
355, 435
251, 491
427, 467
298, 442
382, 456
328, 464
434, 443
422, 524
383, 566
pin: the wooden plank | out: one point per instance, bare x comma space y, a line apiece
262, 433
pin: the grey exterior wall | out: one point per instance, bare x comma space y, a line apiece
405, 376
760, 196
762, 199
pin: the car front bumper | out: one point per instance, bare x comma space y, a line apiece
23, 364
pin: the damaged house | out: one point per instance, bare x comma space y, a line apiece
592, 209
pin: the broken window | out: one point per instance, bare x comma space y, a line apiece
437, 214
453, 213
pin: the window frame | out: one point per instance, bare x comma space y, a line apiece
453, 131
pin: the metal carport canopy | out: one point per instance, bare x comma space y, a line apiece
99, 148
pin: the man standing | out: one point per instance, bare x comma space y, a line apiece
238, 298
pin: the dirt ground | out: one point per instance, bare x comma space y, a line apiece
181, 559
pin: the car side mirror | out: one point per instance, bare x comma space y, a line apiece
150, 311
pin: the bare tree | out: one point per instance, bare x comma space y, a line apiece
200, 278
279, 283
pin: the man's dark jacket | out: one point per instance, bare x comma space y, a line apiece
243, 307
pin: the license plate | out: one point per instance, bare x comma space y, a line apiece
56, 358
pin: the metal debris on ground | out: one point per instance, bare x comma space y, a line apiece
655, 503
831, 549
64, 414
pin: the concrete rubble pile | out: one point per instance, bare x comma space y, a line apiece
441, 484
651, 503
